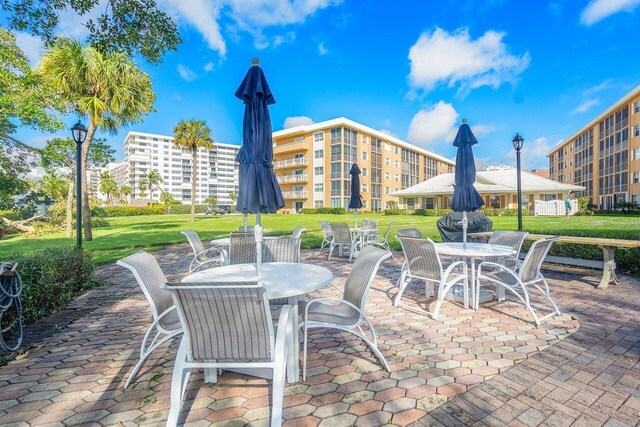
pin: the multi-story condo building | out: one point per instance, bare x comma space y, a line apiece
120, 173
604, 155
312, 164
217, 168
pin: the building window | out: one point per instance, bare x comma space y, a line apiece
635, 154
364, 139
318, 188
336, 136
411, 203
636, 130
387, 161
636, 107
318, 154
318, 137
396, 163
429, 203
386, 190
549, 197
364, 188
319, 170
336, 202
387, 175
396, 150
395, 189
364, 155
364, 172
494, 202
636, 177
396, 177
317, 204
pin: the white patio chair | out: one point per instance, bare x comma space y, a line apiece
347, 313
343, 239
166, 323
368, 228
328, 235
518, 282
297, 232
423, 263
226, 326
242, 248
283, 249
381, 240
408, 232
513, 239
202, 256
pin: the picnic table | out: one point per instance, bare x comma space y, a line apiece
608, 247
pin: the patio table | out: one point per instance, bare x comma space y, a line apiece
280, 280
473, 252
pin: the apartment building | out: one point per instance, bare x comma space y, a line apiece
604, 155
312, 164
217, 168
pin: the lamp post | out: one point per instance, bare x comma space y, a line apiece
79, 133
518, 142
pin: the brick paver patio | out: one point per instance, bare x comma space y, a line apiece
486, 367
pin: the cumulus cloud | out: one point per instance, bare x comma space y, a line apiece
208, 67
201, 15
598, 10
482, 129
294, 121
585, 106
533, 154
456, 60
322, 50
186, 73
432, 125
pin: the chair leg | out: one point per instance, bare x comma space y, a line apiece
403, 284
304, 352
373, 345
178, 382
277, 393
331, 248
144, 354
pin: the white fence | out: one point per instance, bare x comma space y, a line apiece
554, 208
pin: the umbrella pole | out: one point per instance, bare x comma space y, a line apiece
356, 223
465, 223
257, 231
244, 222
258, 218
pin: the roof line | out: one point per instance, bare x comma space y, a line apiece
157, 135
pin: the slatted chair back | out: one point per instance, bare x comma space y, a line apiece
386, 233
530, 268
297, 232
341, 233
283, 249
512, 239
195, 242
150, 278
362, 274
421, 257
242, 248
409, 232
224, 321
369, 226
326, 228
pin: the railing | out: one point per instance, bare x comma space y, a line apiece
300, 161
554, 207
293, 178
295, 194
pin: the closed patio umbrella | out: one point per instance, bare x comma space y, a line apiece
355, 202
465, 197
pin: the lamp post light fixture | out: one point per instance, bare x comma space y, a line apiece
518, 142
79, 133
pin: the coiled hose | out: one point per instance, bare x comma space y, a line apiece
10, 308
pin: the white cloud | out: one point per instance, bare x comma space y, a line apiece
432, 125
322, 50
455, 59
533, 154
32, 46
262, 42
294, 121
186, 73
203, 16
388, 132
208, 67
585, 106
598, 10
607, 84
482, 129
266, 13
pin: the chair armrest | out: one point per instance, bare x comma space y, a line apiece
453, 265
498, 266
283, 334
334, 299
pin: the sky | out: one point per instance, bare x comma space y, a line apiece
411, 68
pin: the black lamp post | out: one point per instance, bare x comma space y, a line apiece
518, 142
79, 133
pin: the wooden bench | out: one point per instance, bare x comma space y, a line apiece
608, 247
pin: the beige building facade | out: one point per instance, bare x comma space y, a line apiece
604, 155
312, 164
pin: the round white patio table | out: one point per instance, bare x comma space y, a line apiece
280, 280
473, 252
224, 241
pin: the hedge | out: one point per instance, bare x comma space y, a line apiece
330, 211
151, 210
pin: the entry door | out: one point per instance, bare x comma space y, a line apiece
298, 207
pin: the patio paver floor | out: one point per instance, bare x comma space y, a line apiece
486, 367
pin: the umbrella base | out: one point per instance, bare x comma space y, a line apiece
456, 294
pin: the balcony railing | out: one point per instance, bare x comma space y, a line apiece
295, 194
300, 161
293, 178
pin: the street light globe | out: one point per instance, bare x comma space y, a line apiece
79, 132
518, 142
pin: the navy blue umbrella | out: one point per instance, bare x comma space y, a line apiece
465, 196
258, 191
355, 202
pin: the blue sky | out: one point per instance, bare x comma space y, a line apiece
414, 68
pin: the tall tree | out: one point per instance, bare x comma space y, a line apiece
126, 191
193, 134
107, 185
107, 87
54, 185
60, 153
148, 181
129, 26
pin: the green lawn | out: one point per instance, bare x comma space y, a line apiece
126, 235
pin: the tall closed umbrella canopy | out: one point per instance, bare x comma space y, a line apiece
356, 201
258, 191
465, 196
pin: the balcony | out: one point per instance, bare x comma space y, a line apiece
283, 179
290, 147
290, 163
295, 194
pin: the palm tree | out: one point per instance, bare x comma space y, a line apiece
126, 191
108, 88
54, 185
193, 134
107, 185
150, 180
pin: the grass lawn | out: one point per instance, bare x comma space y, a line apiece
126, 235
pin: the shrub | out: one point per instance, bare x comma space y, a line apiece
330, 211
431, 212
186, 209
51, 278
135, 210
394, 211
504, 212
57, 218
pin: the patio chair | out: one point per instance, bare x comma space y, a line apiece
328, 235
242, 248
423, 263
407, 232
343, 238
166, 323
202, 256
513, 239
228, 325
283, 249
518, 282
297, 232
347, 313
368, 228
381, 240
